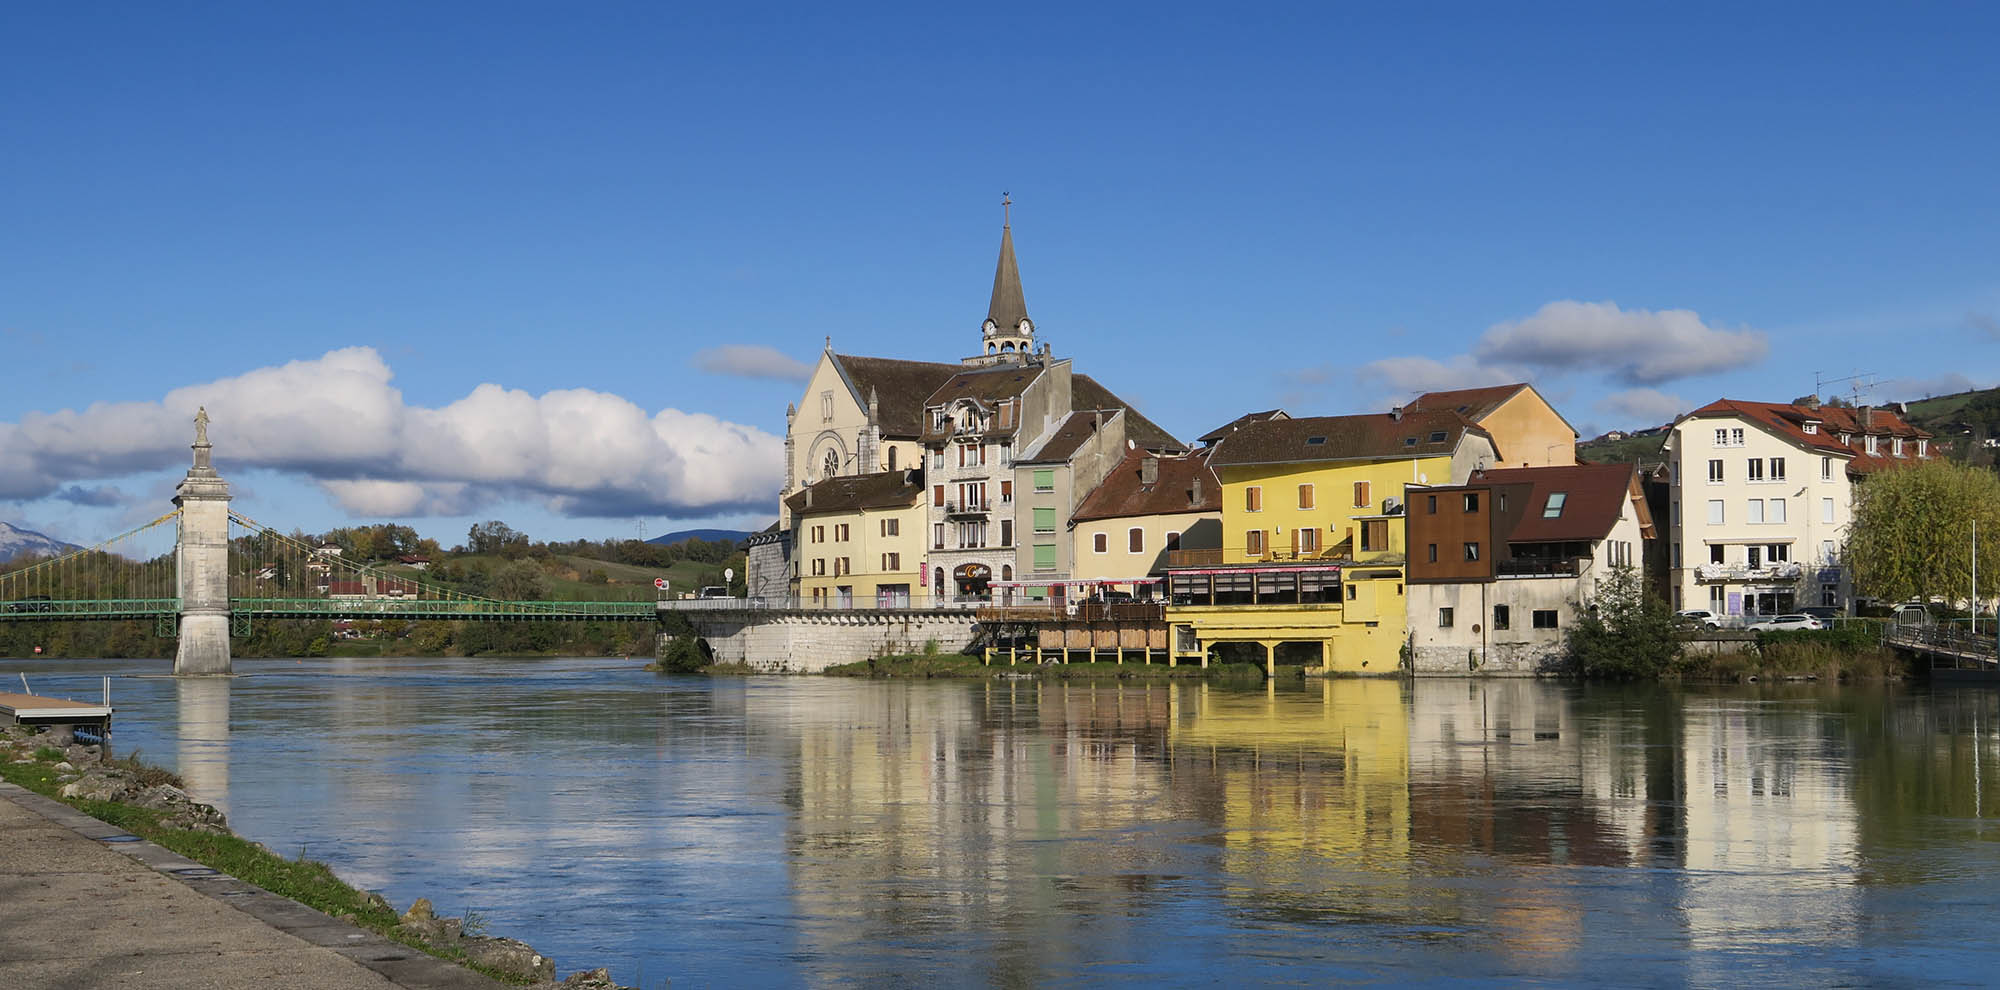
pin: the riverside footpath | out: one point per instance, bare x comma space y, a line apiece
79, 907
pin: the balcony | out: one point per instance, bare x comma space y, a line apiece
954, 509
1533, 567
1784, 570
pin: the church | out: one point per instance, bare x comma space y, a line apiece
959, 433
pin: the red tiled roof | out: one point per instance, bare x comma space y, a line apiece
1593, 497
1788, 421
1122, 493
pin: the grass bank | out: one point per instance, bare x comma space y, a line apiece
1853, 652
307, 881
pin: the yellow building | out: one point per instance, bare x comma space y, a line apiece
1146, 508
860, 540
1313, 541
1526, 430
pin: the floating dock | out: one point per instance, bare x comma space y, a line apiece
29, 709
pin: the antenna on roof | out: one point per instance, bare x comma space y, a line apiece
1856, 383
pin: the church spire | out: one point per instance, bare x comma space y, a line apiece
1007, 325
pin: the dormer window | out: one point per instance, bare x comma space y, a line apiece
1868, 442
937, 420
1315, 441
1846, 438
1437, 437
1811, 428
1896, 446
1555, 507
1923, 448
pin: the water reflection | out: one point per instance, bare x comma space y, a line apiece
202, 730
826, 832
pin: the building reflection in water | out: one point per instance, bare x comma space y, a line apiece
202, 753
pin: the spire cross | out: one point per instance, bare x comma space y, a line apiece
1006, 210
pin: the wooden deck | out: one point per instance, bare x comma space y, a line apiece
30, 709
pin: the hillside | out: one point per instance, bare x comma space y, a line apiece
710, 535
15, 542
1630, 450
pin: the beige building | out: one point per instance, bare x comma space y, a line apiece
860, 540
1526, 430
1146, 507
1762, 495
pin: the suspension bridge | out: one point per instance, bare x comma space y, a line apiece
226, 571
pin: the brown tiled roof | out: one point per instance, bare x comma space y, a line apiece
900, 387
1076, 429
847, 493
1230, 427
1339, 438
1473, 403
987, 385
1086, 393
1788, 421
1121, 494
1594, 495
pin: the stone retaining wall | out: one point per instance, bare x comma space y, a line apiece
807, 642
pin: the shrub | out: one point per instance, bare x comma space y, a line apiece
1625, 631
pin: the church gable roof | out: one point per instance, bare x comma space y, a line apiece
900, 388
1086, 393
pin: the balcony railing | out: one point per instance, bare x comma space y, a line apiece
1533, 567
969, 507
1784, 570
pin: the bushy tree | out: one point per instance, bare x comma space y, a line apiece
1626, 631
1912, 531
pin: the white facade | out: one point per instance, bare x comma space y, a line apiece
1758, 520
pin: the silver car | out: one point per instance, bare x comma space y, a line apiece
1794, 620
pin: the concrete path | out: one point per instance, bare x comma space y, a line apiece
77, 911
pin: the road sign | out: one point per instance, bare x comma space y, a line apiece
729, 574
660, 583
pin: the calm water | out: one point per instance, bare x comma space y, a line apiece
825, 832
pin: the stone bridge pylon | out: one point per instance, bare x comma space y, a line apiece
201, 558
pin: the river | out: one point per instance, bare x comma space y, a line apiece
824, 832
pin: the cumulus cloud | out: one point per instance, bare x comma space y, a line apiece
1643, 407
753, 361
1636, 346
1427, 374
338, 420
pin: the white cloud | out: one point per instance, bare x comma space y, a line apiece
1949, 383
1643, 407
1637, 347
753, 361
1412, 374
337, 420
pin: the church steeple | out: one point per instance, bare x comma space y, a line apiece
1007, 329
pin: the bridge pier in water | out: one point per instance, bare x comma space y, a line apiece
201, 556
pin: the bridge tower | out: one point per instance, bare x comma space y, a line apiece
201, 556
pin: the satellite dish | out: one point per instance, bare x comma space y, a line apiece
1128, 445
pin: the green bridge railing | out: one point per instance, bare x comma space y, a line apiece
47, 610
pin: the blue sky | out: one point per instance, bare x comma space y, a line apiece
521, 230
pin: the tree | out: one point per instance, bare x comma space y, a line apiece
1912, 531
1626, 631
521, 582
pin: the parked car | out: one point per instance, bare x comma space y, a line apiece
713, 591
1792, 620
1824, 613
1699, 617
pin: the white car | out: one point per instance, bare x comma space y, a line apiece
1698, 617
1794, 620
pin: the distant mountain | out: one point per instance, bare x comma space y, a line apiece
15, 541
710, 535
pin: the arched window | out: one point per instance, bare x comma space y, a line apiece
991, 348
937, 584
892, 458
831, 466
1006, 572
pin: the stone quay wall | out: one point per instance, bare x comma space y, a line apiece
807, 641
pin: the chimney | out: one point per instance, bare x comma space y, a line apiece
1811, 402
1149, 471
1096, 420
1395, 414
809, 497
1866, 414
1194, 493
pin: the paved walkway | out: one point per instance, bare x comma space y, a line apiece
77, 911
